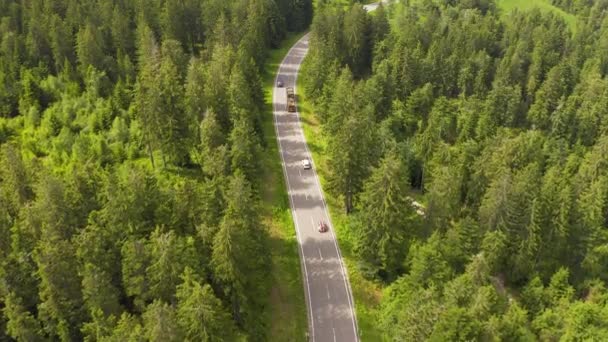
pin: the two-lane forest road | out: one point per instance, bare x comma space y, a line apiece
331, 309
331, 312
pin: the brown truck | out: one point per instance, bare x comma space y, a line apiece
291, 100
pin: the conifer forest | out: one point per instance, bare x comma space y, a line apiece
465, 148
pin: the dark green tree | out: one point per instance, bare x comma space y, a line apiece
238, 260
60, 308
245, 150
356, 33
90, 50
200, 313
385, 223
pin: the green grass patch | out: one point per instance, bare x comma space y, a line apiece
367, 294
287, 320
507, 6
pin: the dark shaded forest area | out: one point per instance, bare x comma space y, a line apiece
498, 124
130, 133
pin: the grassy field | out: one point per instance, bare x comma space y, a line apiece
287, 319
509, 5
366, 294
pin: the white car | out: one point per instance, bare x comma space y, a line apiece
306, 164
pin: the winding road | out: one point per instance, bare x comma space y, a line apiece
331, 309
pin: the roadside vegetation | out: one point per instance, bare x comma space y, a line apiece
134, 137
497, 121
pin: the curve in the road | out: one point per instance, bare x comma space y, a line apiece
331, 313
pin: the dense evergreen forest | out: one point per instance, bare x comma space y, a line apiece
130, 132
497, 123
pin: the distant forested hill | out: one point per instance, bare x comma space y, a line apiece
498, 124
130, 134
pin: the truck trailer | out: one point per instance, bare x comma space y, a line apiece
291, 100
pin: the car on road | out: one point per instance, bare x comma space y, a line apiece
280, 84
323, 227
306, 164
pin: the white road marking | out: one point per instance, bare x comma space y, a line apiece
300, 172
293, 211
328, 296
306, 194
320, 255
343, 268
312, 222
292, 77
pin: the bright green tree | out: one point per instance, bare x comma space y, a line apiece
21, 325
161, 323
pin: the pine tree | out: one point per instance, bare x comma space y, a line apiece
443, 196
135, 261
200, 313
89, 45
99, 293
14, 188
21, 325
122, 34
60, 308
216, 85
456, 324
214, 155
242, 105
492, 212
169, 256
340, 105
351, 152
356, 32
380, 25
463, 241
245, 150
211, 212
173, 125
557, 85
386, 218
128, 328
99, 327
238, 260
379, 90
161, 324
194, 88
147, 93
512, 325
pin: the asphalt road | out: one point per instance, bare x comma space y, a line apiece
331, 314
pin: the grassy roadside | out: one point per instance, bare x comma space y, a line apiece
366, 294
287, 319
